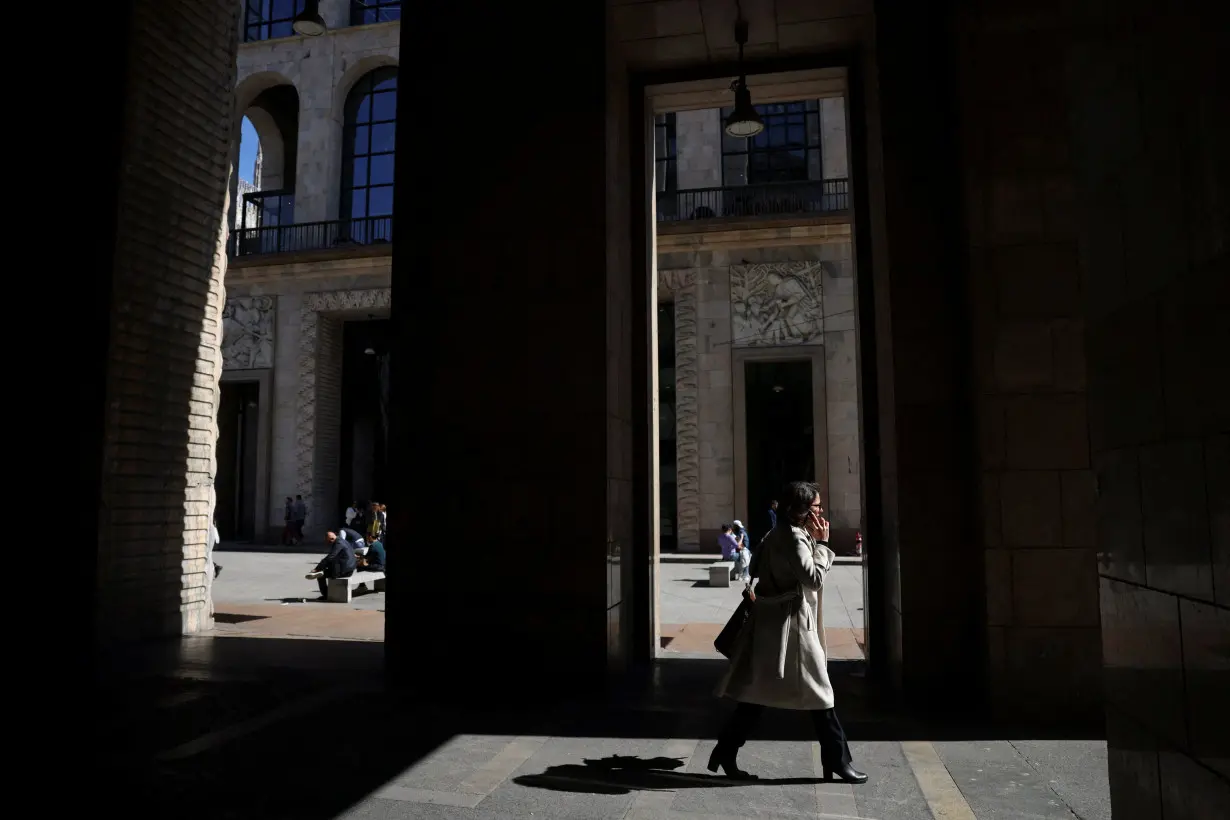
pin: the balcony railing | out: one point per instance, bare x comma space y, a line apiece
313, 236
267, 209
773, 199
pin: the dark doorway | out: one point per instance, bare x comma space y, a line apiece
668, 540
236, 477
780, 433
365, 417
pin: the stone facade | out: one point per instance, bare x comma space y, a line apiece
309, 299
775, 300
321, 70
305, 300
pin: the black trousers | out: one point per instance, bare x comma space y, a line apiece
331, 570
834, 749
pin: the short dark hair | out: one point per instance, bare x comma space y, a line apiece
726, 528
299, 497
799, 496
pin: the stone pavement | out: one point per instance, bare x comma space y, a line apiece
268, 728
265, 594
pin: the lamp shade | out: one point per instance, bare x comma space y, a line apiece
743, 121
308, 22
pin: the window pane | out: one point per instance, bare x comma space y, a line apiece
253, 34
383, 137
361, 139
387, 83
358, 203
734, 170
380, 201
659, 143
283, 9
363, 113
795, 135
387, 14
813, 129
358, 176
281, 30
382, 170
384, 106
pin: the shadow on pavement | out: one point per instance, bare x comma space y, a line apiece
622, 775
249, 726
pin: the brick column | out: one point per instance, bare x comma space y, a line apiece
166, 334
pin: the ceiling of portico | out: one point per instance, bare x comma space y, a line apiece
671, 33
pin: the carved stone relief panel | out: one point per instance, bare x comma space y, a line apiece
247, 332
776, 304
315, 304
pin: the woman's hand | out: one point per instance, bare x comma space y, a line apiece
817, 526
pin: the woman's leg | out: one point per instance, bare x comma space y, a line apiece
834, 748
734, 734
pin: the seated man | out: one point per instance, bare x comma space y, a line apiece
373, 560
339, 563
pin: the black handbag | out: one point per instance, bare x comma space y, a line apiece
728, 638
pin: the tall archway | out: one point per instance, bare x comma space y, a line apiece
368, 143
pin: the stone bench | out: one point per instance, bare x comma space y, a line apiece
719, 573
341, 589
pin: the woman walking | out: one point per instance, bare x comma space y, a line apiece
780, 658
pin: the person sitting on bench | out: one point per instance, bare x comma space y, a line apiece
373, 557
339, 563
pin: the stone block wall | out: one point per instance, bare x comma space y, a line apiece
1096, 190
1036, 481
1148, 124
166, 323
709, 289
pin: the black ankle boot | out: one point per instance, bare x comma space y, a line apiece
725, 758
846, 773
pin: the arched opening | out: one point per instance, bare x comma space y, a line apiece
264, 192
368, 143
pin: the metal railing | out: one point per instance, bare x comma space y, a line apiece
312, 236
267, 209
772, 199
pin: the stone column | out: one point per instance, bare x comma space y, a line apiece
841, 395
698, 148
715, 398
317, 181
503, 362
167, 293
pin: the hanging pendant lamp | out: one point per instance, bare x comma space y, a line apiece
743, 121
308, 22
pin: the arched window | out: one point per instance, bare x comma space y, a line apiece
367, 155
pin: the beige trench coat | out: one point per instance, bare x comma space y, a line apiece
781, 659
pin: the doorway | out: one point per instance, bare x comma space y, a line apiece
779, 408
364, 474
238, 414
